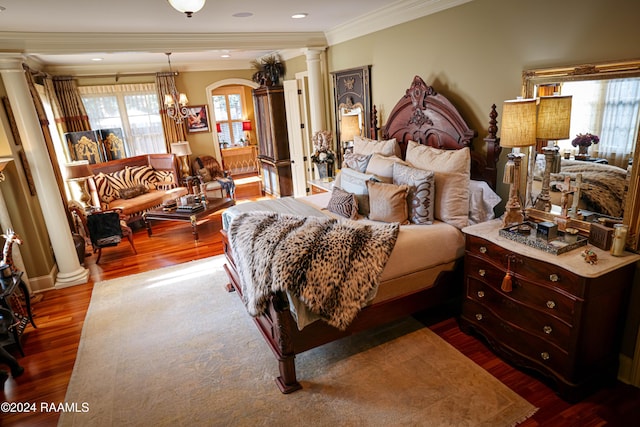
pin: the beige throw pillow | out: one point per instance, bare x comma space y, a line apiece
388, 202
452, 170
362, 145
382, 166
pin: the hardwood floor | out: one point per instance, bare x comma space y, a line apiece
50, 349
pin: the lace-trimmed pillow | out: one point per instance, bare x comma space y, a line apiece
343, 203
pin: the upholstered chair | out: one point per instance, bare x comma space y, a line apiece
213, 180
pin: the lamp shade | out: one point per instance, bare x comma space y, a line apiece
349, 127
78, 170
218, 128
518, 123
554, 117
246, 125
181, 148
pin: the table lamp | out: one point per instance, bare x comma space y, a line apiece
554, 119
246, 127
349, 127
79, 172
182, 150
518, 130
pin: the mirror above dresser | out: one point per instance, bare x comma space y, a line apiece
606, 103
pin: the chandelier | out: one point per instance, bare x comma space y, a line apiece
188, 7
175, 103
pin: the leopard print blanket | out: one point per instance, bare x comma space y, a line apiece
333, 266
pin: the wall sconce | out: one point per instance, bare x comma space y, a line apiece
182, 150
554, 120
246, 127
518, 130
174, 102
188, 7
79, 172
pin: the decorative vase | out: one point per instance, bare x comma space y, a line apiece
583, 150
325, 171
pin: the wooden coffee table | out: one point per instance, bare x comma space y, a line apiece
213, 205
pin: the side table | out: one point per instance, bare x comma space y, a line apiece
9, 300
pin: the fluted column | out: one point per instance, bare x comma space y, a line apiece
316, 92
70, 272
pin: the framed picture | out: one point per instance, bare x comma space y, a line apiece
12, 120
84, 145
198, 119
112, 143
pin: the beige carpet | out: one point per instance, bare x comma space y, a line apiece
173, 348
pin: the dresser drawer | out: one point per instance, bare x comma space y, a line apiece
546, 299
511, 339
534, 270
528, 318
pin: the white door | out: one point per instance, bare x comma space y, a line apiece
296, 127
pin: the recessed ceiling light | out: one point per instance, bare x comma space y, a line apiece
225, 55
97, 59
299, 15
242, 15
2, 8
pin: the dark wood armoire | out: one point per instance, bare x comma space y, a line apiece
273, 140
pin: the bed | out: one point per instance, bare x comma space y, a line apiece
418, 275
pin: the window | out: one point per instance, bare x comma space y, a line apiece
132, 107
229, 111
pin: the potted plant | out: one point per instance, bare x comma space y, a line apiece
269, 70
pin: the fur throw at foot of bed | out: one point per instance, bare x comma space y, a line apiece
332, 266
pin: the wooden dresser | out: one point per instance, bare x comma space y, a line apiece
563, 318
273, 140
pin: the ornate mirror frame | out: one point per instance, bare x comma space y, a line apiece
598, 71
352, 94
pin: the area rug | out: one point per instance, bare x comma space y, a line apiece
172, 348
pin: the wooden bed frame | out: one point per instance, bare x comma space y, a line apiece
423, 116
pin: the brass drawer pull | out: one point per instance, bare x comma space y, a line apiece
545, 356
551, 304
482, 272
554, 277
480, 294
547, 330
483, 249
479, 316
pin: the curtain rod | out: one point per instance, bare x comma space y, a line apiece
118, 75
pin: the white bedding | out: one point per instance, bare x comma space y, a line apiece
420, 254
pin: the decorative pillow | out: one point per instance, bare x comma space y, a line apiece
143, 175
422, 192
106, 193
120, 179
343, 203
388, 202
355, 161
452, 175
164, 177
382, 166
131, 192
362, 145
204, 175
355, 182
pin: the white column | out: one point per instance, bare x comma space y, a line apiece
70, 272
316, 92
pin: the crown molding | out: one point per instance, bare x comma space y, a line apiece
397, 13
75, 43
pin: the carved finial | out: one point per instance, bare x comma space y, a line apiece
493, 123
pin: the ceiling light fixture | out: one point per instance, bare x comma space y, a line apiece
188, 7
175, 103
299, 15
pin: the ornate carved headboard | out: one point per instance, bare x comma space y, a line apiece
426, 117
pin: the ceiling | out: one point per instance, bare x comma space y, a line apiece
133, 35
